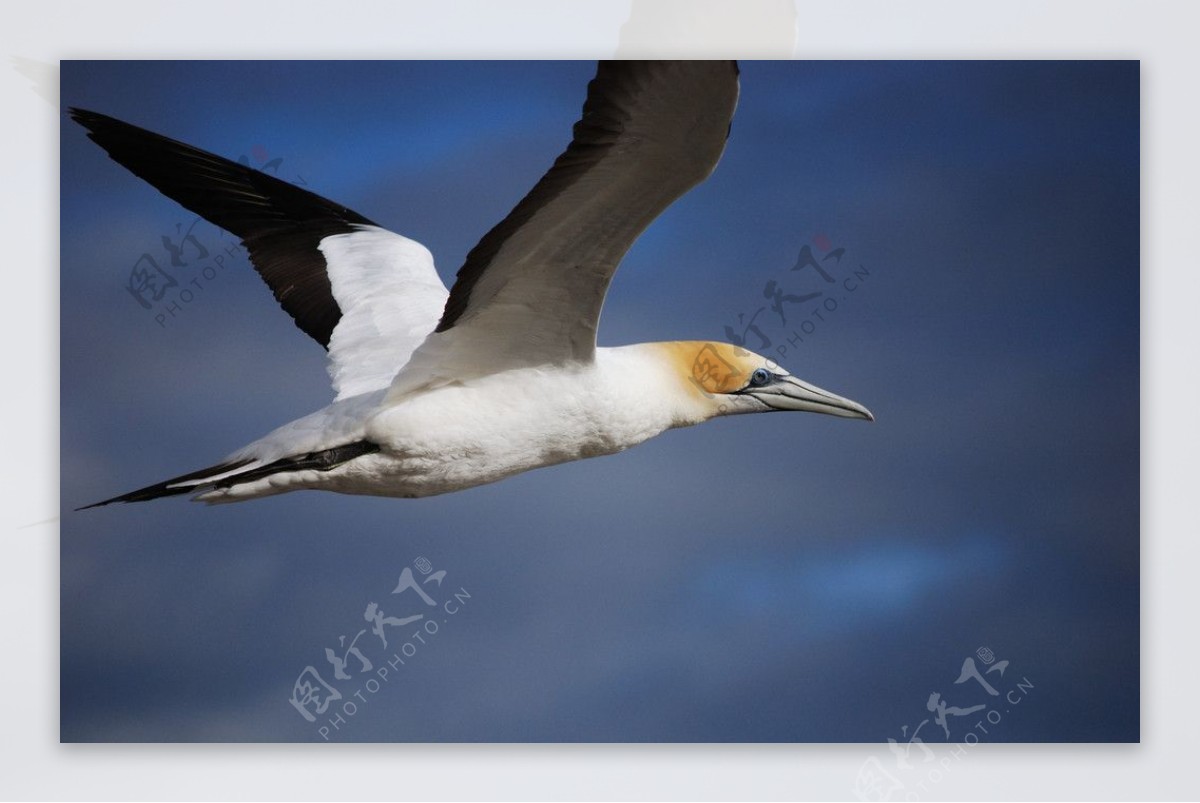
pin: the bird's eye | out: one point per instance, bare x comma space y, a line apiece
760, 377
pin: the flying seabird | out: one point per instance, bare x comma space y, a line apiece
437, 390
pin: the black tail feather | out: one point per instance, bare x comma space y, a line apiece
166, 487
323, 460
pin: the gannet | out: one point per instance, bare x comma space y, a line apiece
436, 390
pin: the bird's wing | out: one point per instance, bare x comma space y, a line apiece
531, 291
367, 295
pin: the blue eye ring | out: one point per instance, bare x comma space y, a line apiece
760, 377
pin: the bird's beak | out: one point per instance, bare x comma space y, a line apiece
789, 393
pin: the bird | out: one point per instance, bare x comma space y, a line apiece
441, 390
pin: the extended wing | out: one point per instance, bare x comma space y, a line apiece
367, 295
531, 291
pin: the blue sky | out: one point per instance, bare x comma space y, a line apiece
760, 578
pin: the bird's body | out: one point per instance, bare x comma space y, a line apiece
437, 390
476, 431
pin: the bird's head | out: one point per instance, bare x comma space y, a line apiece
723, 379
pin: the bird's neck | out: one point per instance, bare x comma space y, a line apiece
653, 383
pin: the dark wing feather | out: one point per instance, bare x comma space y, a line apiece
279, 223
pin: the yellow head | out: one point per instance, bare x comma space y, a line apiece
727, 380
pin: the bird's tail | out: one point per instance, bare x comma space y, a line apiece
237, 472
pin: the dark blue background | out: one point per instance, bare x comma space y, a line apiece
758, 578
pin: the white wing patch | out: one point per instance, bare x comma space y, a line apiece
390, 296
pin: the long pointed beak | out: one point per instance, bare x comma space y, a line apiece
790, 393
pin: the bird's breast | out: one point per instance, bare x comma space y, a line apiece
469, 433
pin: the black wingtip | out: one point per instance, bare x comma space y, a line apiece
89, 119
